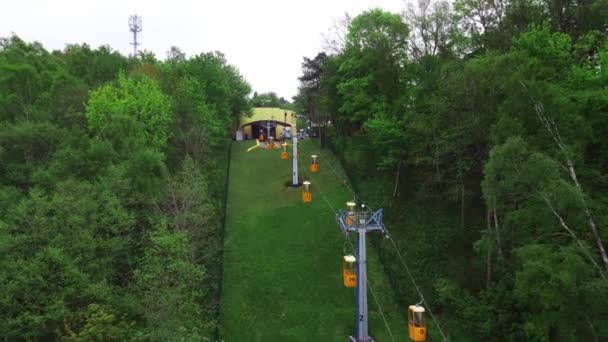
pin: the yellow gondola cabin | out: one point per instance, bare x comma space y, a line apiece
314, 166
416, 323
349, 270
350, 215
306, 195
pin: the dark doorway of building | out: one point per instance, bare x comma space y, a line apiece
255, 131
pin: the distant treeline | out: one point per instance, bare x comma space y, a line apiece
111, 191
270, 99
480, 127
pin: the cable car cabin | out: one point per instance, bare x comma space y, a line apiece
314, 166
349, 270
350, 215
416, 323
306, 195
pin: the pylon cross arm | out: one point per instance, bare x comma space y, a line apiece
375, 222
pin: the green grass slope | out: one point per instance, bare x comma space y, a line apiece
282, 260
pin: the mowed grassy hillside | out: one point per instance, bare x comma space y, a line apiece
282, 262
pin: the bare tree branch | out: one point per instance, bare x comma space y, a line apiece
572, 234
551, 127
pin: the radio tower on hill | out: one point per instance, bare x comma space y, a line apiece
135, 27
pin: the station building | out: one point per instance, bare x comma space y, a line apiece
272, 121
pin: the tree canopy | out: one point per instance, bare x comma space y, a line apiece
480, 122
111, 173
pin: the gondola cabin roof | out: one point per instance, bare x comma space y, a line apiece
350, 258
417, 308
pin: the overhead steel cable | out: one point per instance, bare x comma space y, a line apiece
345, 181
422, 300
371, 289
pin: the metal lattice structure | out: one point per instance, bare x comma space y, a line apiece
135, 26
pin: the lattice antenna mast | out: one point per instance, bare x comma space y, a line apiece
135, 27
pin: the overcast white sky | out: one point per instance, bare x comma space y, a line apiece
265, 39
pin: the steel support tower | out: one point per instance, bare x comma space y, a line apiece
295, 180
135, 26
361, 222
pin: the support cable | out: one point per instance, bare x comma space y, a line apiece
348, 186
371, 289
422, 300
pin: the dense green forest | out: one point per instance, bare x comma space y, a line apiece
480, 126
112, 185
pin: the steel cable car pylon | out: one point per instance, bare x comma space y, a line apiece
361, 222
295, 180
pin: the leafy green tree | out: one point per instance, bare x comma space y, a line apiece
168, 283
195, 126
94, 66
310, 88
270, 99
101, 324
175, 55
483, 21
132, 114
432, 28
496, 126
33, 84
550, 280
90, 250
372, 71
25, 146
62, 251
192, 210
